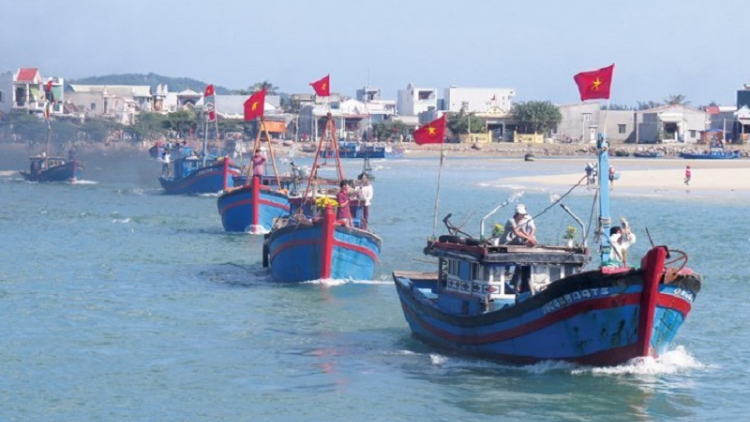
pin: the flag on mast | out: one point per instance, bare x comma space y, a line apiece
595, 84
322, 86
431, 133
255, 105
209, 103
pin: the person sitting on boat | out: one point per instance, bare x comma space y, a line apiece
365, 193
520, 229
621, 239
344, 213
258, 161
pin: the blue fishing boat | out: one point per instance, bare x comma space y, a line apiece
715, 152
524, 304
53, 169
305, 249
192, 175
311, 244
252, 208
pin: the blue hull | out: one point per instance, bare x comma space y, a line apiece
238, 211
298, 253
209, 179
589, 318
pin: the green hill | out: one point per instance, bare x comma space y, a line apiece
151, 79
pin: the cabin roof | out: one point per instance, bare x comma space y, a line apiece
508, 254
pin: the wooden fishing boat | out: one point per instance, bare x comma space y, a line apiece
524, 304
192, 175
648, 154
715, 152
311, 244
53, 169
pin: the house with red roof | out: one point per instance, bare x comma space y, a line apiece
28, 92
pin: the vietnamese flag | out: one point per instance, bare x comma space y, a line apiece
431, 133
322, 87
595, 84
255, 105
209, 91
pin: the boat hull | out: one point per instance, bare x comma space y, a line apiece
321, 249
590, 318
209, 179
68, 172
252, 208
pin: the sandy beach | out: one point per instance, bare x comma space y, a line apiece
657, 174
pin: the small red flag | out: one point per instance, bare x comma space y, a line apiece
49, 86
322, 87
431, 133
255, 105
209, 91
595, 84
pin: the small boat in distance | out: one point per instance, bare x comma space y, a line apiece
716, 152
648, 154
526, 304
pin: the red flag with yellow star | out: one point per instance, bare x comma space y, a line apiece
255, 105
431, 133
322, 87
595, 84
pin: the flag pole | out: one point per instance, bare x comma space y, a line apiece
437, 193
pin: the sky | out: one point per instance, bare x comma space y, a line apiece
659, 47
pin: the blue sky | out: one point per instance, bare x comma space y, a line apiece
659, 47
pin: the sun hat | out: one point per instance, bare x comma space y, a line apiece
521, 209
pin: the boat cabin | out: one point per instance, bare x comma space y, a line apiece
39, 163
480, 279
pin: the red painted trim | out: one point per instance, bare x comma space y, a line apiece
654, 269
256, 202
289, 245
326, 244
357, 248
225, 171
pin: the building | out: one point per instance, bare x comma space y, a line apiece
412, 101
582, 122
670, 123
478, 100
120, 103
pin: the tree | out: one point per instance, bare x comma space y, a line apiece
536, 116
388, 129
678, 99
258, 86
647, 105
459, 123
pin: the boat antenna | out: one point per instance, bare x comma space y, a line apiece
605, 221
437, 193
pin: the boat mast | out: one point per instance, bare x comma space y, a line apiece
205, 141
605, 221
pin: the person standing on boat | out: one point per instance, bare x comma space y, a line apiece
688, 175
344, 212
258, 162
621, 239
165, 163
520, 229
365, 193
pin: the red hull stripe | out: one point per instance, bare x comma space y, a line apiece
360, 249
545, 321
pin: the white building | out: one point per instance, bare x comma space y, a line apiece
412, 101
478, 100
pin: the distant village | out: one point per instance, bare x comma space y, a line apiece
299, 119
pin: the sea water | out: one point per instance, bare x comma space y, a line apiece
119, 303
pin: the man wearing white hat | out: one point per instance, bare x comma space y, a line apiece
520, 229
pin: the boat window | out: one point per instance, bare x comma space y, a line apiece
474, 271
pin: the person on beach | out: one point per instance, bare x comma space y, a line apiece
590, 180
621, 239
688, 175
612, 176
344, 213
520, 229
365, 192
258, 161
